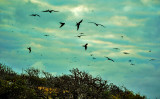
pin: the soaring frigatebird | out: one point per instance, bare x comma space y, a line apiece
110, 59
152, 59
93, 58
125, 53
35, 15
29, 48
130, 60
97, 24
61, 24
85, 46
132, 64
79, 36
78, 24
50, 11
46, 35
116, 48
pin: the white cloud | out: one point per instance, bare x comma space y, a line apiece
122, 21
38, 65
79, 11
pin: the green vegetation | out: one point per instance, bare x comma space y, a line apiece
78, 84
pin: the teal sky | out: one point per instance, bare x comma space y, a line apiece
137, 20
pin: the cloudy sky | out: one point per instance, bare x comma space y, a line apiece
138, 21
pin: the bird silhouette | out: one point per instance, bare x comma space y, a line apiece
132, 64
97, 24
50, 11
93, 58
35, 15
46, 35
116, 48
85, 46
152, 59
80, 36
125, 53
149, 51
29, 48
81, 33
130, 60
78, 24
121, 36
61, 24
110, 59
91, 54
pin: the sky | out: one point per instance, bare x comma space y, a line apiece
138, 21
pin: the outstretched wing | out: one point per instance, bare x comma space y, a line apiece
77, 27
80, 21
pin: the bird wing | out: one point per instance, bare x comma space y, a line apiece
92, 22
85, 47
80, 21
55, 11
77, 27
101, 25
46, 11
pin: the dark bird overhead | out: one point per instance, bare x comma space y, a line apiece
116, 48
93, 58
110, 59
152, 59
85, 46
130, 60
29, 48
149, 51
80, 36
35, 15
50, 11
91, 55
78, 24
121, 36
81, 33
132, 64
125, 53
61, 24
97, 24
46, 35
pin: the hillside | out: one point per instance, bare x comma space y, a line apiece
36, 84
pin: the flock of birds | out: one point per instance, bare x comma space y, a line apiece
82, 34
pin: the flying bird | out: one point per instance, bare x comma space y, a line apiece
50, 11
97, 24
132, 64
130, 60
29, 48
81, 33
94, 58
35, 15
91, 55
78, 24
152, 59
85, 46
61, 24
116, 48
79, 36
110, 59
149, 51
121, 36
125, 53
46, 35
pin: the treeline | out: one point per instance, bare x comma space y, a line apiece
36, 84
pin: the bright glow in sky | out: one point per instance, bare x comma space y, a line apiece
138, 21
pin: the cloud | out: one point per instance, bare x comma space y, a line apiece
122, 21
38, 65
79, 11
